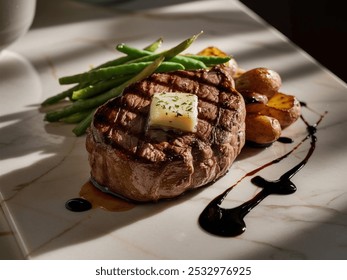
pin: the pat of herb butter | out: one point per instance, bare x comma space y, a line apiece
175, 110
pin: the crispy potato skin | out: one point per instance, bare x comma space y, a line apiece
285, 108
261, 129
260, 80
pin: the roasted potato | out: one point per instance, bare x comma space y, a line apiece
283, 107
259, 80
255, 108
262, 130
232, 64
212, 51
254, 97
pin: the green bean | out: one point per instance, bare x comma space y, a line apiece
210, 60
83, 104
187, 62
130, 51
168, 54
99, 87
76, 117
79, 105
154, 46
180, 47
81, 128
60, 96
103, 73
114, 71
124, 59
168, 66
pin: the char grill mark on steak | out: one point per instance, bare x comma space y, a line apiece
216, 111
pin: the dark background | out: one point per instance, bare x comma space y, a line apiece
318, 27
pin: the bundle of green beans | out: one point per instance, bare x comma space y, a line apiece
95, 87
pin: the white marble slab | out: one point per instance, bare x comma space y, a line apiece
42, 165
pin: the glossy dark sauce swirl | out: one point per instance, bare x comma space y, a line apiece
230, 222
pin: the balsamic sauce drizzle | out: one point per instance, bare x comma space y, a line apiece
230, 222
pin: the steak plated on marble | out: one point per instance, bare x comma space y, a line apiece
142, 163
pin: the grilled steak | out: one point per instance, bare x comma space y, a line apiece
144, 164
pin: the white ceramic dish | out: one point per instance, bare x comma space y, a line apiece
16, 17
43, 165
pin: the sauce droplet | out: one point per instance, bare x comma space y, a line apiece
78, 204
285, 140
